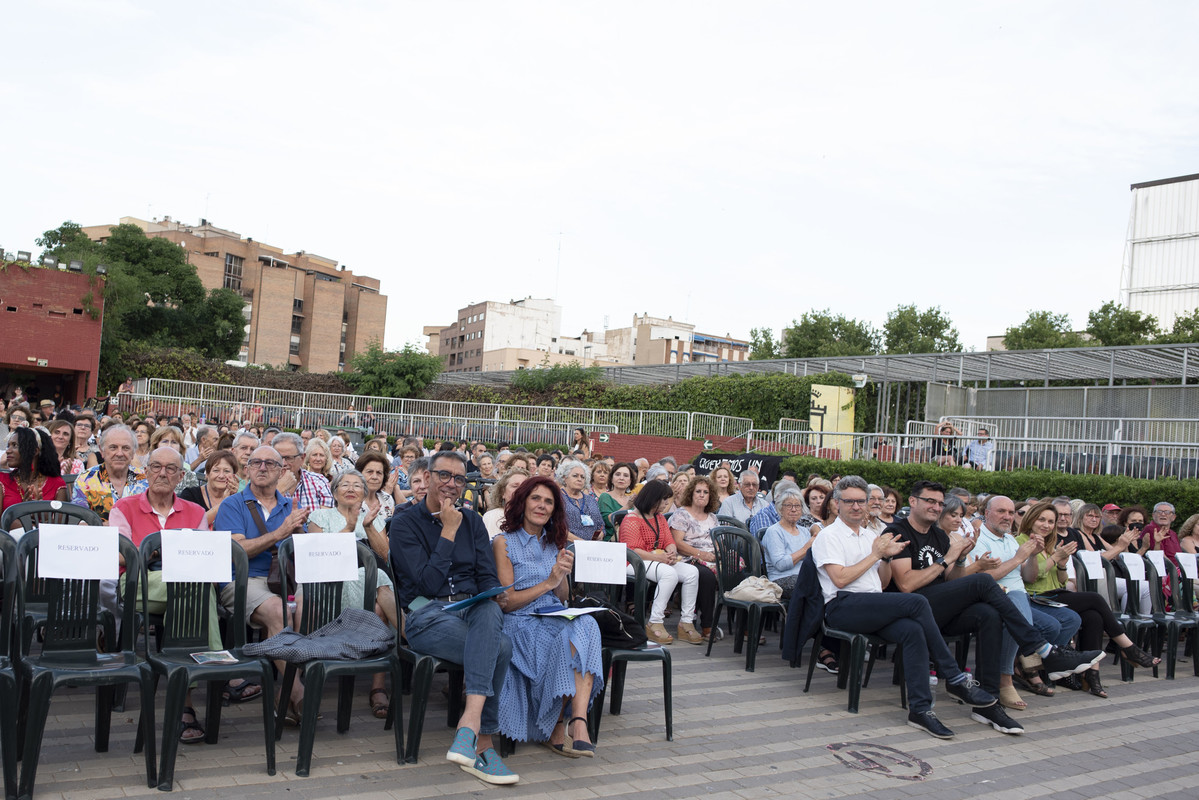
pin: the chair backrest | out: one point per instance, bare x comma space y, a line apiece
35, 512
185, 622
617, 518
322, 601
737, 551
725, 519
73, 605
8, 602
1083, 579
1157, 593
1182, 591
615, 591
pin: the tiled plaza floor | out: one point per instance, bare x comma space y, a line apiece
737, 735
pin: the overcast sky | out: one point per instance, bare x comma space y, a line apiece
730, 164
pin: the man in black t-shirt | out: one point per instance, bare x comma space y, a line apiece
965, 599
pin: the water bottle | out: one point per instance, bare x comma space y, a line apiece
291, 609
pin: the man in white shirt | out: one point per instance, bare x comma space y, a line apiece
745, 503
853, 565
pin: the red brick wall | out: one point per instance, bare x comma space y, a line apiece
42, 317
626, 447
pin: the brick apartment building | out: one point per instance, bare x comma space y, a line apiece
302, 309
51, 342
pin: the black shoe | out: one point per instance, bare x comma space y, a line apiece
927, 721
998, 719
970, 693
1071, 682
1063, 661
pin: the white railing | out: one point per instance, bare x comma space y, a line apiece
1128, 429
1078, 456
791, 424
226, 403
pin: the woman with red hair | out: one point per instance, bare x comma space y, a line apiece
556, 663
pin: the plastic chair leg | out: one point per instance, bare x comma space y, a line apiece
1171, 650
345, 701
667, 696
104, 699
8, 739
715, 619
40, 689
422, 680
755, 631
619, 668
212, 715
268, 713
314, 684
172, 725
812, 662
396, 711
454, 710
857, 653
597, 704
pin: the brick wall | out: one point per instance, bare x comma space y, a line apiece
42, 318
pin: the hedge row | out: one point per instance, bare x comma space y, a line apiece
1016, 484
187, 365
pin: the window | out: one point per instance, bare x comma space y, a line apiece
297, 305
233, 265
297, 325
295, 346
214, 254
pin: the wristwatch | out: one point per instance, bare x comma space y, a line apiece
940, 562
886, 559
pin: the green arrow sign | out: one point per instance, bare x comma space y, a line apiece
604, 438
708, 444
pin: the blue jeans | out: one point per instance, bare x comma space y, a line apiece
907, 620
473, 637
1057, 625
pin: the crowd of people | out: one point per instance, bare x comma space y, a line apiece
454, 519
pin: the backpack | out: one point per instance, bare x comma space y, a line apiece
617, 629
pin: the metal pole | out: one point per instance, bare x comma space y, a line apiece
988, 384
1047, 358
1111, 368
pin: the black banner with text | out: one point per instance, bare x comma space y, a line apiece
767, 467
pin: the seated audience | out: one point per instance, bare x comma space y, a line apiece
501, 492
618, 498
583, 520
103, 485
223, 482
746, 502
691, 525
62, 434
35, 473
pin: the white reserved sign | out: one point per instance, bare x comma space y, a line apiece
600, 562
1135, 566
1093, 561
1158, 559
196, 557
78, 552
325, 557
1189, 563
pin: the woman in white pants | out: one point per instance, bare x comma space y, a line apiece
646, 531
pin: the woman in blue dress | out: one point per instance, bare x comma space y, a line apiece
556, 666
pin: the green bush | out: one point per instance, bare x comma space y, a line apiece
1016, 484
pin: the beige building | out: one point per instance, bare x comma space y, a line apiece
654, 340
295, 303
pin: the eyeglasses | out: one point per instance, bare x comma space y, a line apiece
930, 501
169, 469
1136, 526
291, 458
847, 502
259, 463
791, 506
445, 476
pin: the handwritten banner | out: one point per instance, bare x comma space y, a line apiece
767, 467
196, 556
325, 557
78, 552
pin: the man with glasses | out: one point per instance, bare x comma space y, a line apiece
746, 502
306, 488
854, 564
441, 555
965, 599
977, 454
1158, 535
158, 509
259, 517
244, 444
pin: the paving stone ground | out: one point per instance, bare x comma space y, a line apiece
736, 735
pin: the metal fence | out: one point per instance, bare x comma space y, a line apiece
1126, 429
791, 424
1168, 402
292, 408
1152, 459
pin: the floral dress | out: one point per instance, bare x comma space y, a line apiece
543, 669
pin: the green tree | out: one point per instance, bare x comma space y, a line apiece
763, 345
152, 296
910, 330
1185, 330
392, 373
1042, 330
1112, 325
819, 333
546, 378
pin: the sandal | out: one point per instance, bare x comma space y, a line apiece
380, 710
558, 749
1094, 685
1008, 698
194, 725
1138, 657
1037, 687
578, 747
827, 662
242, 692
295, 714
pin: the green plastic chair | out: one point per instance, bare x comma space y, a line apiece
184, 630
725, 519
322, 603
1172, 622
853, 674
69, 656
8, 676
738, 553
616, 660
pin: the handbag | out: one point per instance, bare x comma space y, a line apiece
756, 589
617, 629
274, 578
